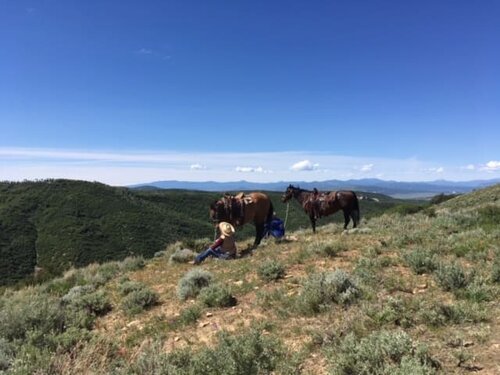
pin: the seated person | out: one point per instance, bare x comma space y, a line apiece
224, 247
275, 228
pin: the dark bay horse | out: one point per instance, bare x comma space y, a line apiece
317, 204
238, 210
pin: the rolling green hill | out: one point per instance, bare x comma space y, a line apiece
56, 224
404, 294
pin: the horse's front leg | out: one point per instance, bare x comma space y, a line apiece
346, 219
313, 222
259, 233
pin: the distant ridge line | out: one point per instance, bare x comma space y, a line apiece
391, 188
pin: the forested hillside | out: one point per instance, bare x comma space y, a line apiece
56, 224
406, 293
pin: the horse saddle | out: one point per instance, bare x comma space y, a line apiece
245, 198
235, 205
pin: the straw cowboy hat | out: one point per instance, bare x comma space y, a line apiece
226, 229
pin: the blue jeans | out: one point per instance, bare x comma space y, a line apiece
216, 253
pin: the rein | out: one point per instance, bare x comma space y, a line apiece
286, 215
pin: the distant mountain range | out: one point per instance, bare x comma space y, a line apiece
396, 189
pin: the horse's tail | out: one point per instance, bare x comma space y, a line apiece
355, 214
270, 213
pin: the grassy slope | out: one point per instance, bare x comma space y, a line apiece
60, 223
459, 324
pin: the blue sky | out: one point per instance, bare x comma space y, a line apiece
125, 91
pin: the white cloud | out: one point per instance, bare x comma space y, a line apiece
491, 166
197, 166
435, 170
367, 168
249, 169
469, 167
304, 165
124, 167
144, 51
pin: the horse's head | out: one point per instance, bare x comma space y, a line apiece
290, 192
217, 211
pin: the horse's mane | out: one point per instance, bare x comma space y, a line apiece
300, 189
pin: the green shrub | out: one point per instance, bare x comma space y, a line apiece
30, 310
76, 293
405, 209
366, 269
421, 261
71, 337
96, 303
182, 256
495, 271
321, 290
138, 300
271, 270
217, 295
197, 245
380, 353
192, 282
7, 354
327, 248
452, 276
478, 291
132, 264
60, 286
489, 216
394, 310
160, 254
249, 354
128, 286
442, 314
190, 314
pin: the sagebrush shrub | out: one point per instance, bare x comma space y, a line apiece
366, 270
327, 248
495, 272
132, 263
192, 282
86, 298
128, 286
421, 261
160, 254
217, 295
96, 303
442, 314
197, 245
76, 292
452, 276
190, 314
138, 300
30, 311
249, 354
380, 353
478, 291
271, 270
489, 216
396, 310
322, 289
182, 256
7, 354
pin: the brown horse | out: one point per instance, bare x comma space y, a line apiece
317, 204
238, 210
